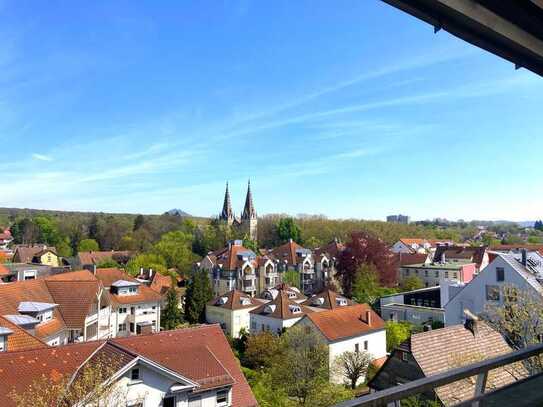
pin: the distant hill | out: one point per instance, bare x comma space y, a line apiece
177, 212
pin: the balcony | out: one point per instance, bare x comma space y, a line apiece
523, 393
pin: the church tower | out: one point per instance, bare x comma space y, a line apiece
227, 215
249, 220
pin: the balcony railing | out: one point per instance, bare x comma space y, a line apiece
525, 392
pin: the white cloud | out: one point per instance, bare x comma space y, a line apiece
41, 157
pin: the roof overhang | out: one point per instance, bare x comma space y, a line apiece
511, 29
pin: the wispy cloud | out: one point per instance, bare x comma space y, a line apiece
41, 157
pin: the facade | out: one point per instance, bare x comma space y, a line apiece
419, 307
135, 308
437, 351
27, 271
36, 254
247, 224
207, 375
238, 268
278, 314
231, 311
522, 270
432, 274
353, 328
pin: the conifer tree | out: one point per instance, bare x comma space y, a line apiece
199, 292
171, 314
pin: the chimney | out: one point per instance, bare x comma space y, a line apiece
150, 273
471, 323
290, 240
368, 317
524, 257
94, 269
427, 327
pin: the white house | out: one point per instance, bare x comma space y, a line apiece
278, 314
354, 328
231, 311
521, 270
180, 368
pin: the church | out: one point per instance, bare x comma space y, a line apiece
248, 222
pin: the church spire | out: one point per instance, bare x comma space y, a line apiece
227, 212
249, 211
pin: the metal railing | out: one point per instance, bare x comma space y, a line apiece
428, 384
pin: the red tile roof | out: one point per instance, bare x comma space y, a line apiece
327, 299
282, 308
346, 322
25, 254
20, 339
233, 301
161, 283
95, 257
109, 275
287, 252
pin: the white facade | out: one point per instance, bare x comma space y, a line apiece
231, 321
373, 342
260, 323
126, 317
487, 286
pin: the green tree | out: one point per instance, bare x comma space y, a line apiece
139, 221
397, 332
250, 244
88, 245
265, 392
63, 248
411, 283
260, 350
198, 293
108, 263
366, 289
171, 314
176, 249
147, 261
306, 356
292, 278
329, 394
288, 229
48, 230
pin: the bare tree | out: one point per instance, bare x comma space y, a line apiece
352, 366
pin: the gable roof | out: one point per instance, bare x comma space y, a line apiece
232, 301
288, 252
229, 257
12, 294
282, 308
346, 322
20, 339
112, 276
327, 299
333, 249
207, 360
95, 257
405, 259
161, 283
26, 253
517, 247
272, 293
439, 350
472, 253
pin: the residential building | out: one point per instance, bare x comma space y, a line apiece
471, 254
147, 369
293, 257
419, 307
355, 328
521, 270
234, 267
432, 274
36, 254
58, 309
26, 271
326, 260
398, 219
14, 338
437, 351
278, 314
231, 311
90, 259
327, 300
247, 224
135, 308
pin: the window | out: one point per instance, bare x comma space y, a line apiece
122, 327
425, 273
406, 272
253, 324
29, 274
455, 275
500, 275
168, 401
446, 274
365, 345
131, 327
222, 398
492, 293
356, 347
195, 401
404, 356
122, 310
132, 310
135, 374
436, 273
153, 307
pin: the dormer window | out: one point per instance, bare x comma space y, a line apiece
223, 300
291, 294
123, 287
245, 301
295, 309
4, 333
318, 301
268, 309
341, 302
41, 311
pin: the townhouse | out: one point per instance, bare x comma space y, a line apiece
354, 328
144, 371
522, 270
58, 309
432, 274
231, 310
37, 254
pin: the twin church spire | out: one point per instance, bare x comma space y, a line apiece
248, 220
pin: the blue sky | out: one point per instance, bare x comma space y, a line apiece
348, 109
